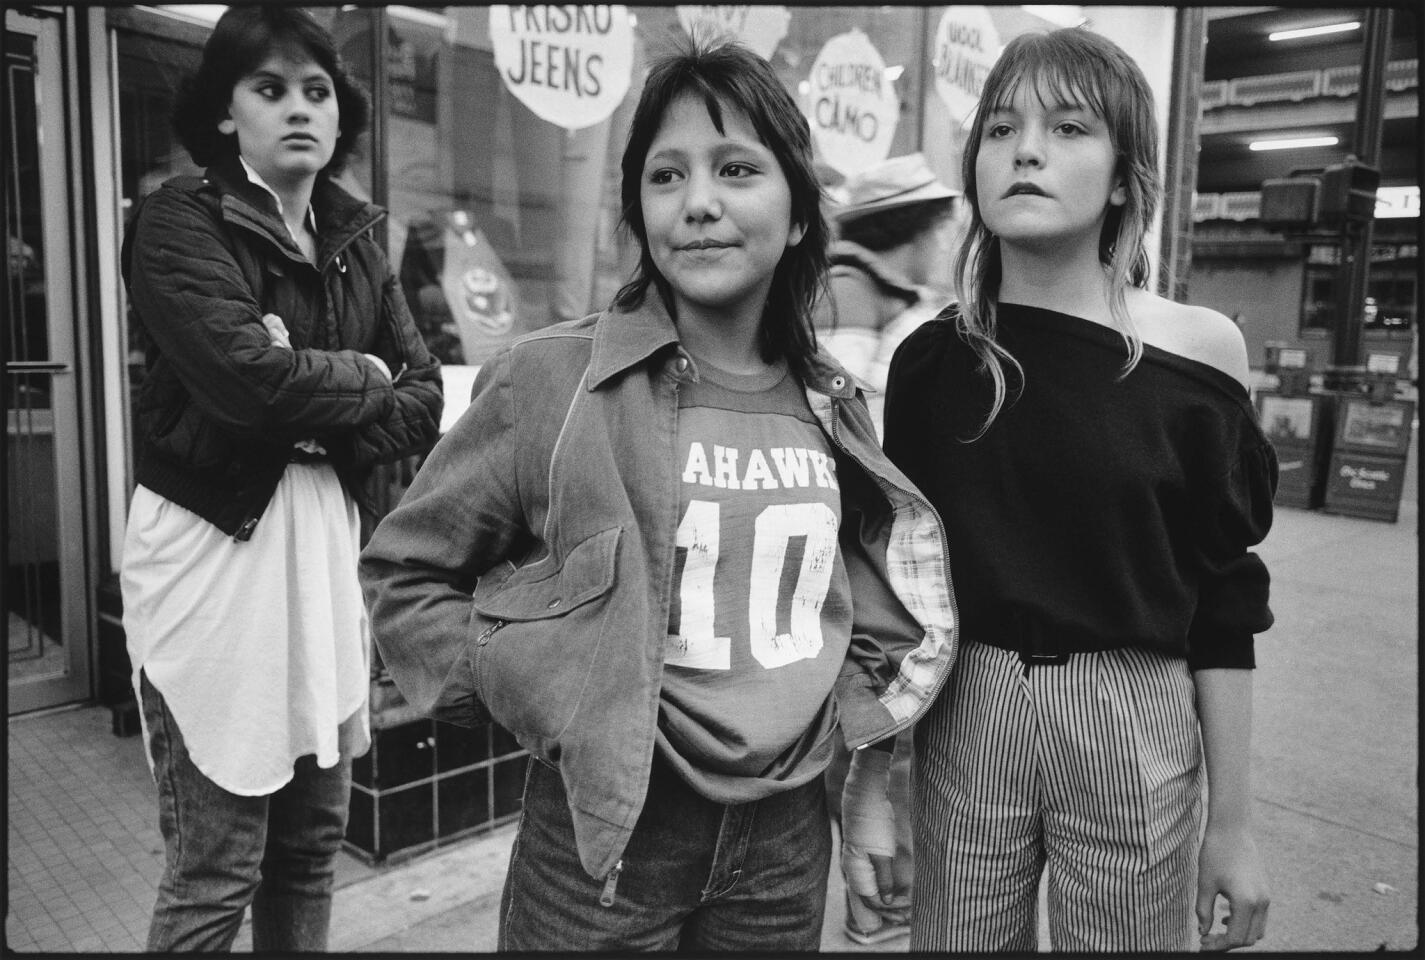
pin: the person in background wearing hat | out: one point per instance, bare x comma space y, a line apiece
894, 227
894, 221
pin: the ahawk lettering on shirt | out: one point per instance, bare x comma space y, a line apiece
775, 469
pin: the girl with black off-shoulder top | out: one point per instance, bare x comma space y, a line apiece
1096, 461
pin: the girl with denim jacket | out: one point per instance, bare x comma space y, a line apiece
663, 548
1096, 460
281, 365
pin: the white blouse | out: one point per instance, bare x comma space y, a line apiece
261, 648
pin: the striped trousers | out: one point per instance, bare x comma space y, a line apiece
1091, 769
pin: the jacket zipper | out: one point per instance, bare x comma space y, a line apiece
255, 224
484, 638
606, 899
944, 558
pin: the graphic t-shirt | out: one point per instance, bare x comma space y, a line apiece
760, 618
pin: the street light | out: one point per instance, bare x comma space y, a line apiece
1322, 30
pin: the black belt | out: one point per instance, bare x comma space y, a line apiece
1023, 633
1027, 654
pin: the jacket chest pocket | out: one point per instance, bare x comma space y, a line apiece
302, 302
535, 636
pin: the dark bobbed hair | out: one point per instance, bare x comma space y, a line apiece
888, 229
1074, 65
243, 38
727, 75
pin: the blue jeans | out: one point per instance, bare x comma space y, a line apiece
224, 851
697, 875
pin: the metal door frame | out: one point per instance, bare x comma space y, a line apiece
55, 117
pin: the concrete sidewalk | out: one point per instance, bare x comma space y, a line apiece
1335, 749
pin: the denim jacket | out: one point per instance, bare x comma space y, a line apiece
527, 573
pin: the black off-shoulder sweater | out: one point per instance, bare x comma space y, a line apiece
1096, 512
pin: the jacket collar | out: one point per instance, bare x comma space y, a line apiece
340, 217
626, 338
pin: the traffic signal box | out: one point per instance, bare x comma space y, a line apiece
1366, 471
1341, 194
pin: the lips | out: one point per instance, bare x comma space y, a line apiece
704, 245
299, 138
1024, 187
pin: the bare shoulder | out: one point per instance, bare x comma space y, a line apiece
1198, 333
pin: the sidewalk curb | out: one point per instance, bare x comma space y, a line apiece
386, 904
400, 897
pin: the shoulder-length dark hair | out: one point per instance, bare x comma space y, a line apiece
243, 38
1072, 65
727, 75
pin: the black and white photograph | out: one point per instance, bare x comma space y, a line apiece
754, 479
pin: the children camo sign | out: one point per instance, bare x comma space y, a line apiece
853, 106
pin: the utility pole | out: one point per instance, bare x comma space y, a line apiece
1184, 121
1355, 265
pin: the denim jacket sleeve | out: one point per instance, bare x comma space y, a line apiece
461, 517
904, 638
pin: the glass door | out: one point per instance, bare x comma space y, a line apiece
42, 597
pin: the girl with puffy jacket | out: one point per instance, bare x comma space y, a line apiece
281, 365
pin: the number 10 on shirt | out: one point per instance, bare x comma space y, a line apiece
693, 642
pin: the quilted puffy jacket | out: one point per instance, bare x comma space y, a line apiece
221, 406
527, 573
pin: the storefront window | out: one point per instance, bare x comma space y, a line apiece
498, 131
1392, 288
504, 215
501, 222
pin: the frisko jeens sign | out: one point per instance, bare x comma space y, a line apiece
569, 64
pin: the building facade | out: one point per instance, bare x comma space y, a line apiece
1259, 93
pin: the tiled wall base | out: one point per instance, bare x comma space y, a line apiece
425, 783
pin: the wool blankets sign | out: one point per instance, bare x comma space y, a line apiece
966, 46
853, 104
569, 64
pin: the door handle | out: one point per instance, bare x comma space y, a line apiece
36, 366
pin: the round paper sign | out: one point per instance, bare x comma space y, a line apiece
761, 28
966, 46
570, 65
853, 106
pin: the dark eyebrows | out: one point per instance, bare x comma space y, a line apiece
738, 149
259, 76
665, 155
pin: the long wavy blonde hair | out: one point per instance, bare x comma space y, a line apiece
1071, 65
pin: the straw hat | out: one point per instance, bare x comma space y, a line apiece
891, 183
